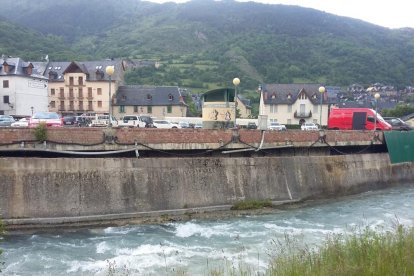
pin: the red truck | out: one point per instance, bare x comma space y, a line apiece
357, 119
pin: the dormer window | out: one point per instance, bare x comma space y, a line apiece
170, 97
123, 98
273, 96
314, 96
289, 96
149, 97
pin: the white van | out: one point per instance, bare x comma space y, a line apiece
102, 120
131, 121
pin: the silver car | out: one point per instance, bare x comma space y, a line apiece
276, 126
309, 126
6, 120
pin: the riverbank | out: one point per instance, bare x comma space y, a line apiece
41, 193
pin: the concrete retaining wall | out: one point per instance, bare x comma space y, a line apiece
52, 188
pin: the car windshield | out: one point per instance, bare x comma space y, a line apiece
45, 115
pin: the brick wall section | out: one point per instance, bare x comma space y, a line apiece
87, 136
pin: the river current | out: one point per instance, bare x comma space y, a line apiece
199, 246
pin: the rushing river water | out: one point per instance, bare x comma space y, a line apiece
200, 246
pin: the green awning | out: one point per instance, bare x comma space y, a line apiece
400, 145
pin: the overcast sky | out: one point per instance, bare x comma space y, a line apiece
391, 14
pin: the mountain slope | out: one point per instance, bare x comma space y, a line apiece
257, 42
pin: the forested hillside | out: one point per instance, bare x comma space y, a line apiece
205, 43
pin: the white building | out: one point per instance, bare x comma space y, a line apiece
293, 104
23, 88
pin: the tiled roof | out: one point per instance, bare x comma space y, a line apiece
148, 95
288, 93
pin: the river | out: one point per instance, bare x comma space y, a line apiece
199, 246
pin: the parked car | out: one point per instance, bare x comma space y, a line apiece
147, 119
51, 119
184, 124
309, 126
23, 122
398, 124
276, 126
251, 125
102, 120
131, 121
6, 120
198, 125
164, 124
69, 120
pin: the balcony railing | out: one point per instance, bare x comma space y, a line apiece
302, 114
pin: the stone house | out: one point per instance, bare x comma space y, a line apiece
82, 87
23, 88
156, 101
293, 104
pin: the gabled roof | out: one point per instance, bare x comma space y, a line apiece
95, 70
148, 95
289, 93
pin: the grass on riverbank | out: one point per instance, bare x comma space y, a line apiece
368, 253
251, 204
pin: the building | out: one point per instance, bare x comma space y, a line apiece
82, 87
243, 107
293, 103
156, 101
23, 88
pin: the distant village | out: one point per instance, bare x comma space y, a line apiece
75, 88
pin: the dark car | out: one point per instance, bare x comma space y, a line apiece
69, 120
398, 124
251, 125
148, 120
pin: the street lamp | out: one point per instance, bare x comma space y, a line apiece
110, 71
376, 96
321, 90
31, 108
236, 82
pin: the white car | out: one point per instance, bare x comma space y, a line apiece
309, 126
24, 122
276, 126
164, 124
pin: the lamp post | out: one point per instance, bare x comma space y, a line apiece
31, 108
376, 96
321, 90
110, 71
236, 82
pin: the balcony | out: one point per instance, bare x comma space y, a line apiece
61, 97
302, 115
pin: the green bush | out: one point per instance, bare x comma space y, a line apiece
40, 132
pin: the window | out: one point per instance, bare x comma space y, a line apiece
315, 109
62, 105
71, 105
90, 94
70, 92
52, 104
149, 109
289, 108
52, 91
169, 109
6, 99
80, 92
273, 108
5, 84
135, 108
289, 121
80, 80
170, 97
99, 91
90, 105
122, 109
149, 97
70, 80
80, 105
99, 103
